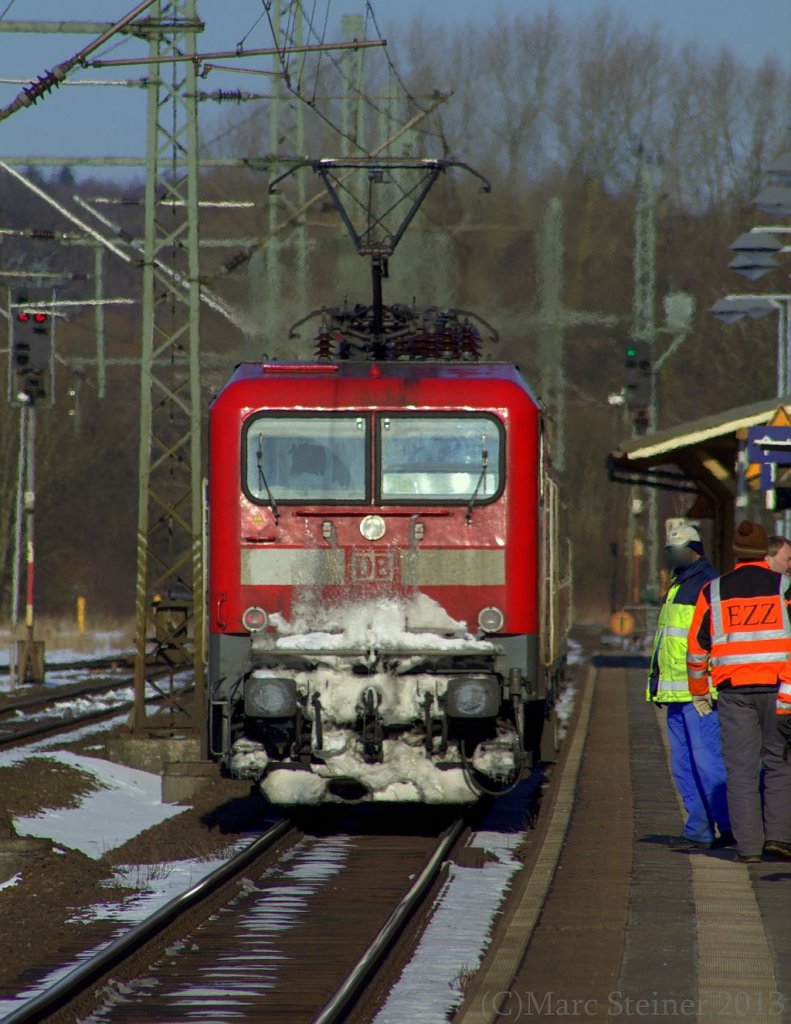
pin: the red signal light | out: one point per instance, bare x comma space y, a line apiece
40, 318
24, 317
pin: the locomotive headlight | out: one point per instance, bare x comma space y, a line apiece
268, 696
473, 697
491, 619
372, 527
254, 619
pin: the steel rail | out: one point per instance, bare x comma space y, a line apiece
56, 724
359, 977
83, 977
44, 728
63, 693
104, 661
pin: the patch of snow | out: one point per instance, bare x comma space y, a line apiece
405, 775
229, 984
163, 882
103, 645
80, 705
284, 788
15, 1002
9, 883
575, 655
158, 883
456, 936
399, 700
392, 624
128, 802
496, 758
564, 706
52, 743
387, 618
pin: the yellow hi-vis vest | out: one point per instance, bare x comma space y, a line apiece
670, 651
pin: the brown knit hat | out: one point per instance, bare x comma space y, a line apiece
750, 542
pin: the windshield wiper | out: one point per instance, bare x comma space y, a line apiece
262, 479
481, 480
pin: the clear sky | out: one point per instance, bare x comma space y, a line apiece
111, 120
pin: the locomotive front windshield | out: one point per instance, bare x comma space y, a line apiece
327, 458
311, 458
439, 458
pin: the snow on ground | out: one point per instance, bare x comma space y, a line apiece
157, 884
575, 655
161, 883
60, 677
128, 802
564, 705
50, 743
99, 645
12, 881
79, 705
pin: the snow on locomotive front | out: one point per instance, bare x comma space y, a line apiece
374, 580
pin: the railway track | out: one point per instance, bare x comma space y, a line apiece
301, 939
13, 731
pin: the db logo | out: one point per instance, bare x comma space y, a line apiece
372, 566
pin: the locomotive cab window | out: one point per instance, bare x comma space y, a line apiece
307, 458
440, 458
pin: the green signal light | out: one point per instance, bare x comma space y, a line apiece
631, 352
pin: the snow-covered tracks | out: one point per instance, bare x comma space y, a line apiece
299, 939
83, 979
64, 707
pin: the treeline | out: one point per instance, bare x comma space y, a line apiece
544, 108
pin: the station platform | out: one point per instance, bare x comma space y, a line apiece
606, 922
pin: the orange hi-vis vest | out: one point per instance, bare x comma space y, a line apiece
750, 639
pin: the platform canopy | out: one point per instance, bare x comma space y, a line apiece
698, 458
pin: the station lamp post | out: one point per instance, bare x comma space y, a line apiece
756, 253
735, 307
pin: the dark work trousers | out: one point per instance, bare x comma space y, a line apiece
748, 730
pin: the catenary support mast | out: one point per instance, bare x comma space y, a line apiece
169, 554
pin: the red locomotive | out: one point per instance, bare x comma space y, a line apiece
379, 533
388, 592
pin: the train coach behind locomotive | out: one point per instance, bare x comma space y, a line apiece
387, 583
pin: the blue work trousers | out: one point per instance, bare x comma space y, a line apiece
698, 769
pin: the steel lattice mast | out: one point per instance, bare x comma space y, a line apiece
644, 323
169, 535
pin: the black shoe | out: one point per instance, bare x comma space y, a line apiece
683, 843
724, 839
775, 848
748, 858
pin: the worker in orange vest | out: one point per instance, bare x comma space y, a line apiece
741, 636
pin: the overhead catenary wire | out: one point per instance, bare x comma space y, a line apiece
289, 45
240, 258
234, 317
35, 90
370, 11
246, 36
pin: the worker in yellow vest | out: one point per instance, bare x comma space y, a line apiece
695, 753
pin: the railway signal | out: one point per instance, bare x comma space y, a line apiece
637, 381
31, 362
30, 387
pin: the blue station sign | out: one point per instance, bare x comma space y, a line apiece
769, 445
